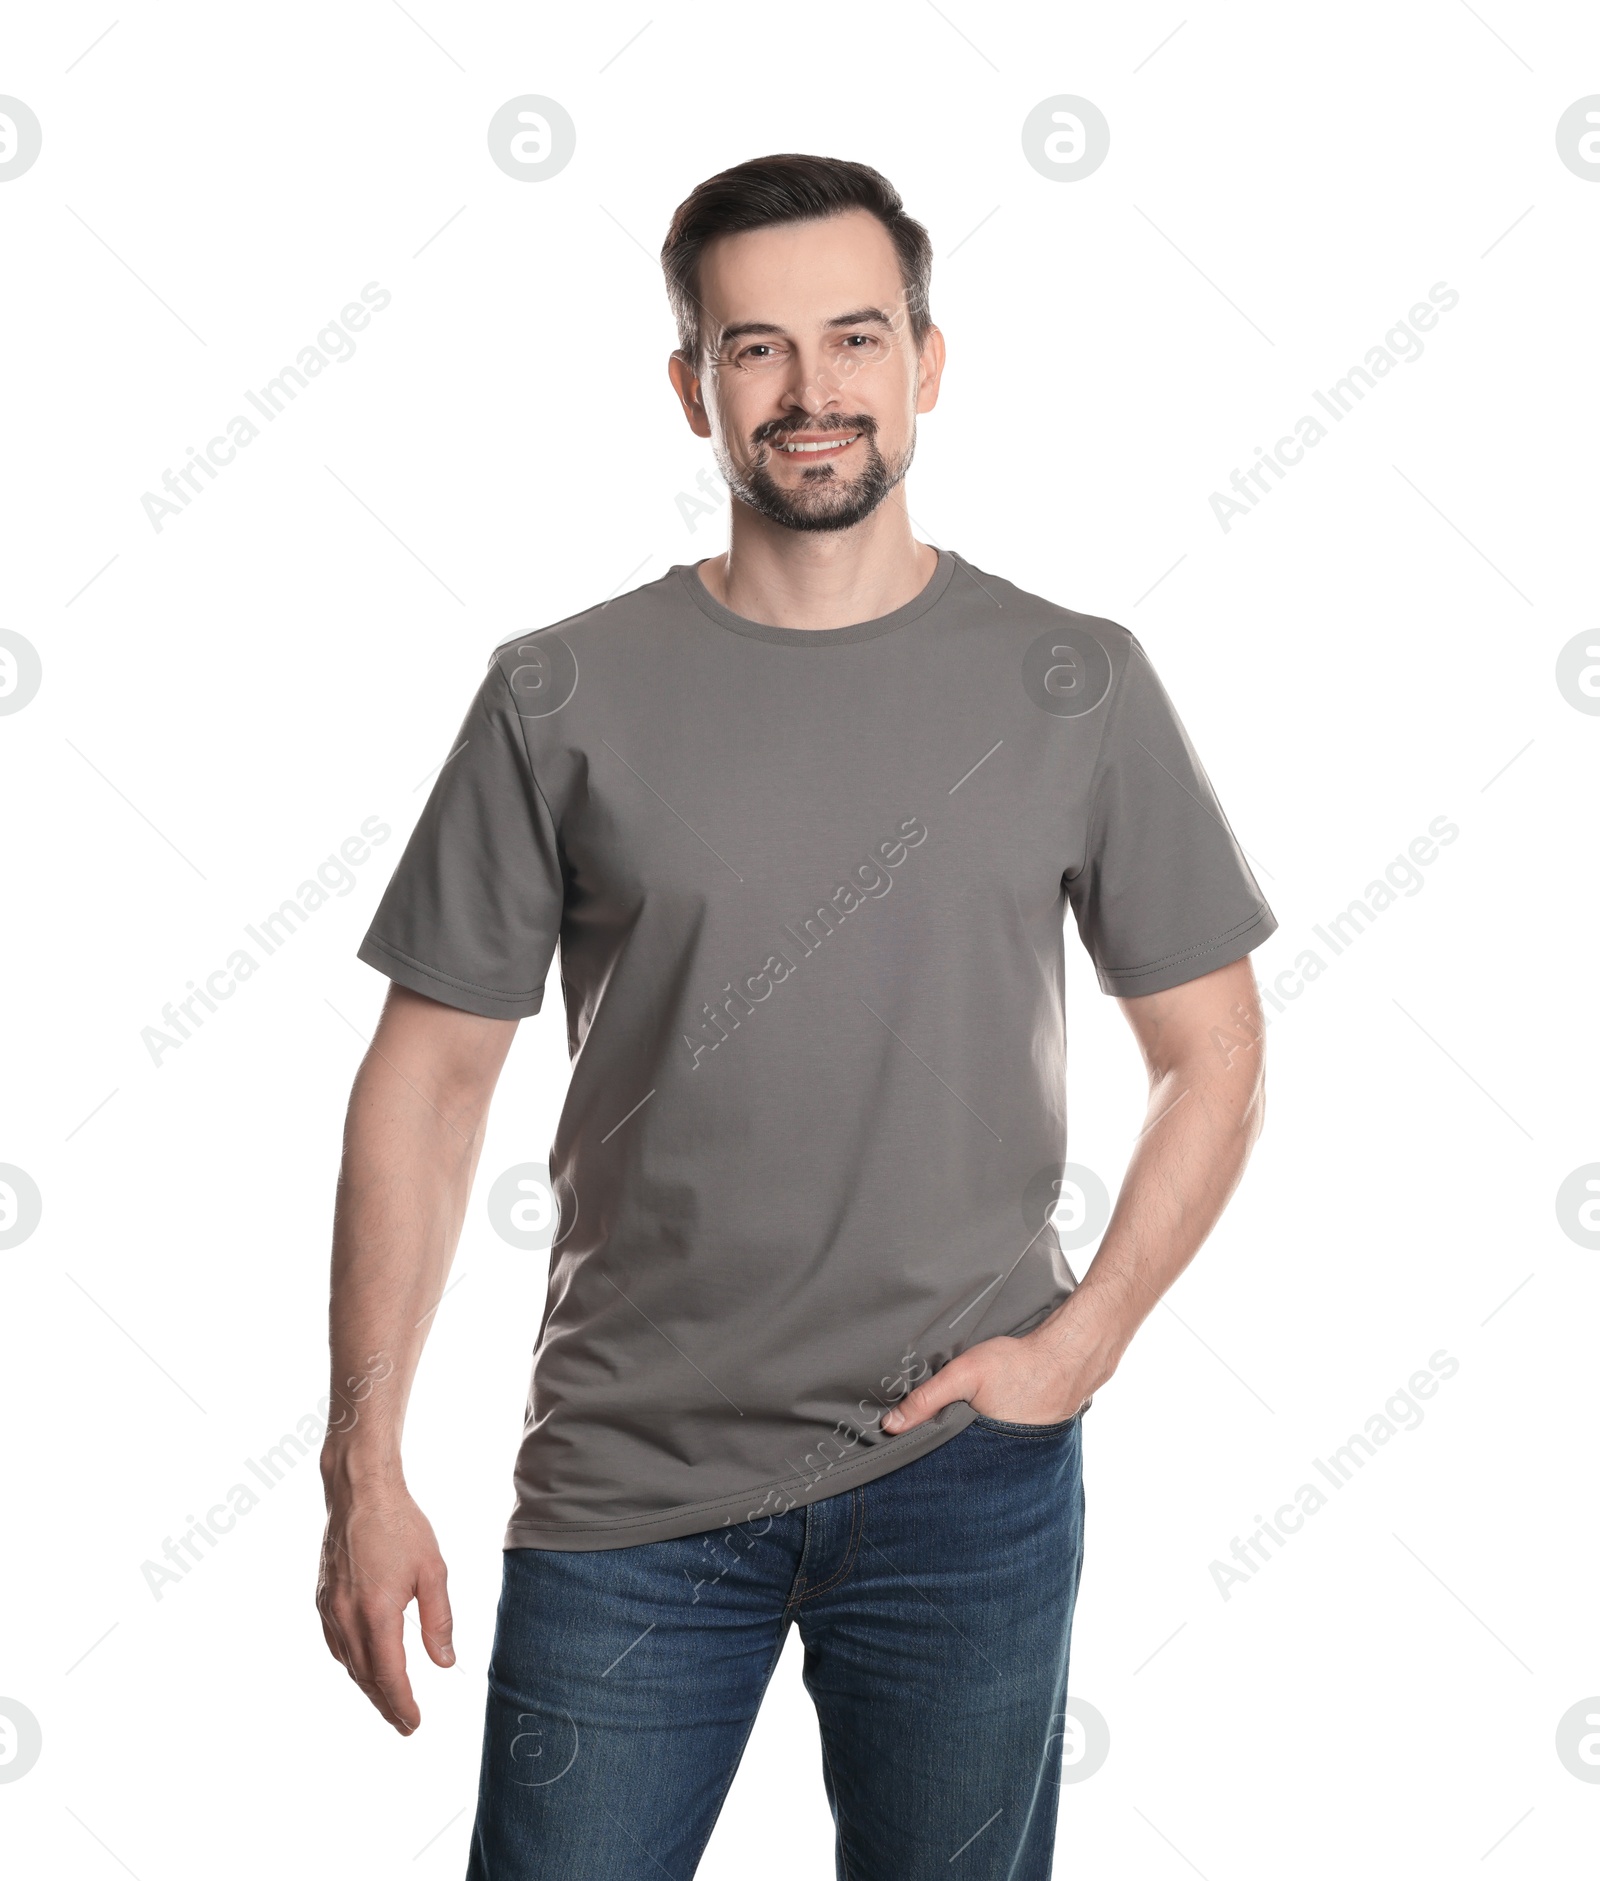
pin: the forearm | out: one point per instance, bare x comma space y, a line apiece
1201, 1123
411, 1149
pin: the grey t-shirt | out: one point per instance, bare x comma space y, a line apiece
809, 890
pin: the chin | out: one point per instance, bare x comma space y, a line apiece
818, 508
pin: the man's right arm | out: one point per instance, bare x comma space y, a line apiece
412, 1137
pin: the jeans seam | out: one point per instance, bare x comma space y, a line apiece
838, 1800
794, 1596
858, 1503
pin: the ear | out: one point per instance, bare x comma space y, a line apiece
930, 369
686, 383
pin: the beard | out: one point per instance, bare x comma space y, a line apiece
823, 499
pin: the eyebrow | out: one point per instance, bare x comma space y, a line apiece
861, 317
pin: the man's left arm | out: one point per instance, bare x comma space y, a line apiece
1202, 1047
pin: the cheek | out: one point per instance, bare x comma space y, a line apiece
739, 410
896, 423
890, 394
880, 386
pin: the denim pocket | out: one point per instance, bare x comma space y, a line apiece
1007, 1429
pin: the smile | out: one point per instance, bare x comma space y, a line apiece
797, 447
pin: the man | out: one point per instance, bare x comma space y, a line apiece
805, 820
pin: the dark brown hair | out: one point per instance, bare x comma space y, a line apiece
786, 188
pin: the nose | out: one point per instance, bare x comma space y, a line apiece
813, 387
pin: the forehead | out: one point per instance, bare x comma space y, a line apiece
799, 275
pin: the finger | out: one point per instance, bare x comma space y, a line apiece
381, 1701
433, 1613
916, 1407
335, 1641
378, 1663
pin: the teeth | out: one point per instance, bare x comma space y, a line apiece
830, 444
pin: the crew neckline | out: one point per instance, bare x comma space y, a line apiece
688, 574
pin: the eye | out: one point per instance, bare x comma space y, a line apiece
866, 339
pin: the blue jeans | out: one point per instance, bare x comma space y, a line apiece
935, 1607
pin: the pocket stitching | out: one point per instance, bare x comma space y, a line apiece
1002, 1428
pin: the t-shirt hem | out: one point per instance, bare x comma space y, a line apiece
419, 978
1193, 962
744, 1505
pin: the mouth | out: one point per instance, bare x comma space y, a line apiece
816, 447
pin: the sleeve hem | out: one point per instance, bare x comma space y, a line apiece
1193, 962
432, 984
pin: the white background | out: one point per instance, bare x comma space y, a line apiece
225, 701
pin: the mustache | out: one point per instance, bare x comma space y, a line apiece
776, 430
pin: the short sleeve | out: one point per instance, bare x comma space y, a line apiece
472, 912
1164, 893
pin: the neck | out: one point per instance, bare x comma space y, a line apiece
822, 578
